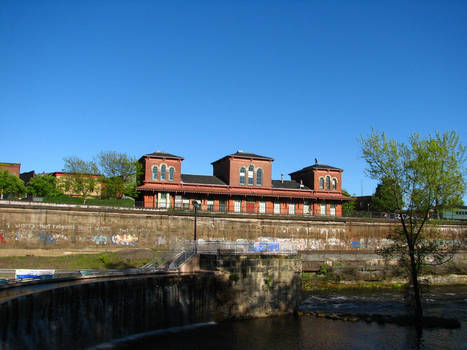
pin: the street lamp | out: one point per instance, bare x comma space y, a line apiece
195, 207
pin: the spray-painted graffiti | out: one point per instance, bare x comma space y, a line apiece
2, 239
47, 238
100, 240
125, 239
19, 236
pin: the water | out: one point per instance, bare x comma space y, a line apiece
318, 333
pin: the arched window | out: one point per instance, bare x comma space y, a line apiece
259, 177
163, 172
321, 183
154, 172
251, 170
328, 182
242, 176
334, 184
171, 173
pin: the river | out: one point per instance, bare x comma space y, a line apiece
308, 332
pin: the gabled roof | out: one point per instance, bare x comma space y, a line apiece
246, 155
294, 185
202, 179
158, 154
317, 167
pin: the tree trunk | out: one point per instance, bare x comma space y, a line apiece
417, 300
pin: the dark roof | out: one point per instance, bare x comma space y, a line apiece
27, 176
241, 154
162, 155
318, 167
202, 179
291, 185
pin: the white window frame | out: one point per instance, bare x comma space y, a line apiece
306, 208
322, 209
237, 206
332, 210
210, 204
157, 172
251, 172
171, 173
277, 207
259, 175
178, 201
262, 207
291, 208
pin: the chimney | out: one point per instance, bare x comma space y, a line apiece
282, 178
301, 183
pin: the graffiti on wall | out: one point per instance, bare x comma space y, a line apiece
124, 239
51, 238
99, 239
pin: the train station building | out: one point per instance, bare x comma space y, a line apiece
241, 183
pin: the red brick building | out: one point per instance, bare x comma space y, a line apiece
241, 183
13, 168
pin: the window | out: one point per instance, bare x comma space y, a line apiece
242, 176
178, 201
154, 172
163, 200
322, 207
321, 183
334, 184
251, 170
291, 209
306, 208
171, 173
333, 210
262, 207
210, 204
237, 206
259, 177
163, 172
277, 208
186, 204
328, 182
221, 205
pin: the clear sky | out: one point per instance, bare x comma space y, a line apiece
293, 80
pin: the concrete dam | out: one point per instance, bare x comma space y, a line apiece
81, 314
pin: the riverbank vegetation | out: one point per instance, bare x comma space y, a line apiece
124, 259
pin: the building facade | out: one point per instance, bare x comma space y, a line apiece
241, 183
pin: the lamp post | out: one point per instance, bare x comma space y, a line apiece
195, 207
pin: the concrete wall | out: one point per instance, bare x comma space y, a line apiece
29, 225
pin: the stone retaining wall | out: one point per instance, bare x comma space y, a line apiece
32, 226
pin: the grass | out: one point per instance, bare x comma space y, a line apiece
313, 282
107, 260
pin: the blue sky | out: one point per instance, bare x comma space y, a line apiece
293, 80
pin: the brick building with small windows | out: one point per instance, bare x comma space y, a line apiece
241, 183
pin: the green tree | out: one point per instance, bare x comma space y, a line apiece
42, 186
82, 178
429, 174
117, 166
10, 185
113, 187
348, 207
387, 197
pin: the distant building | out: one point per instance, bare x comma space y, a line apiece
26, 177
13, 168
63, 182
459, 213
241, 183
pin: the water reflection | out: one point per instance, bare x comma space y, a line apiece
317, 333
